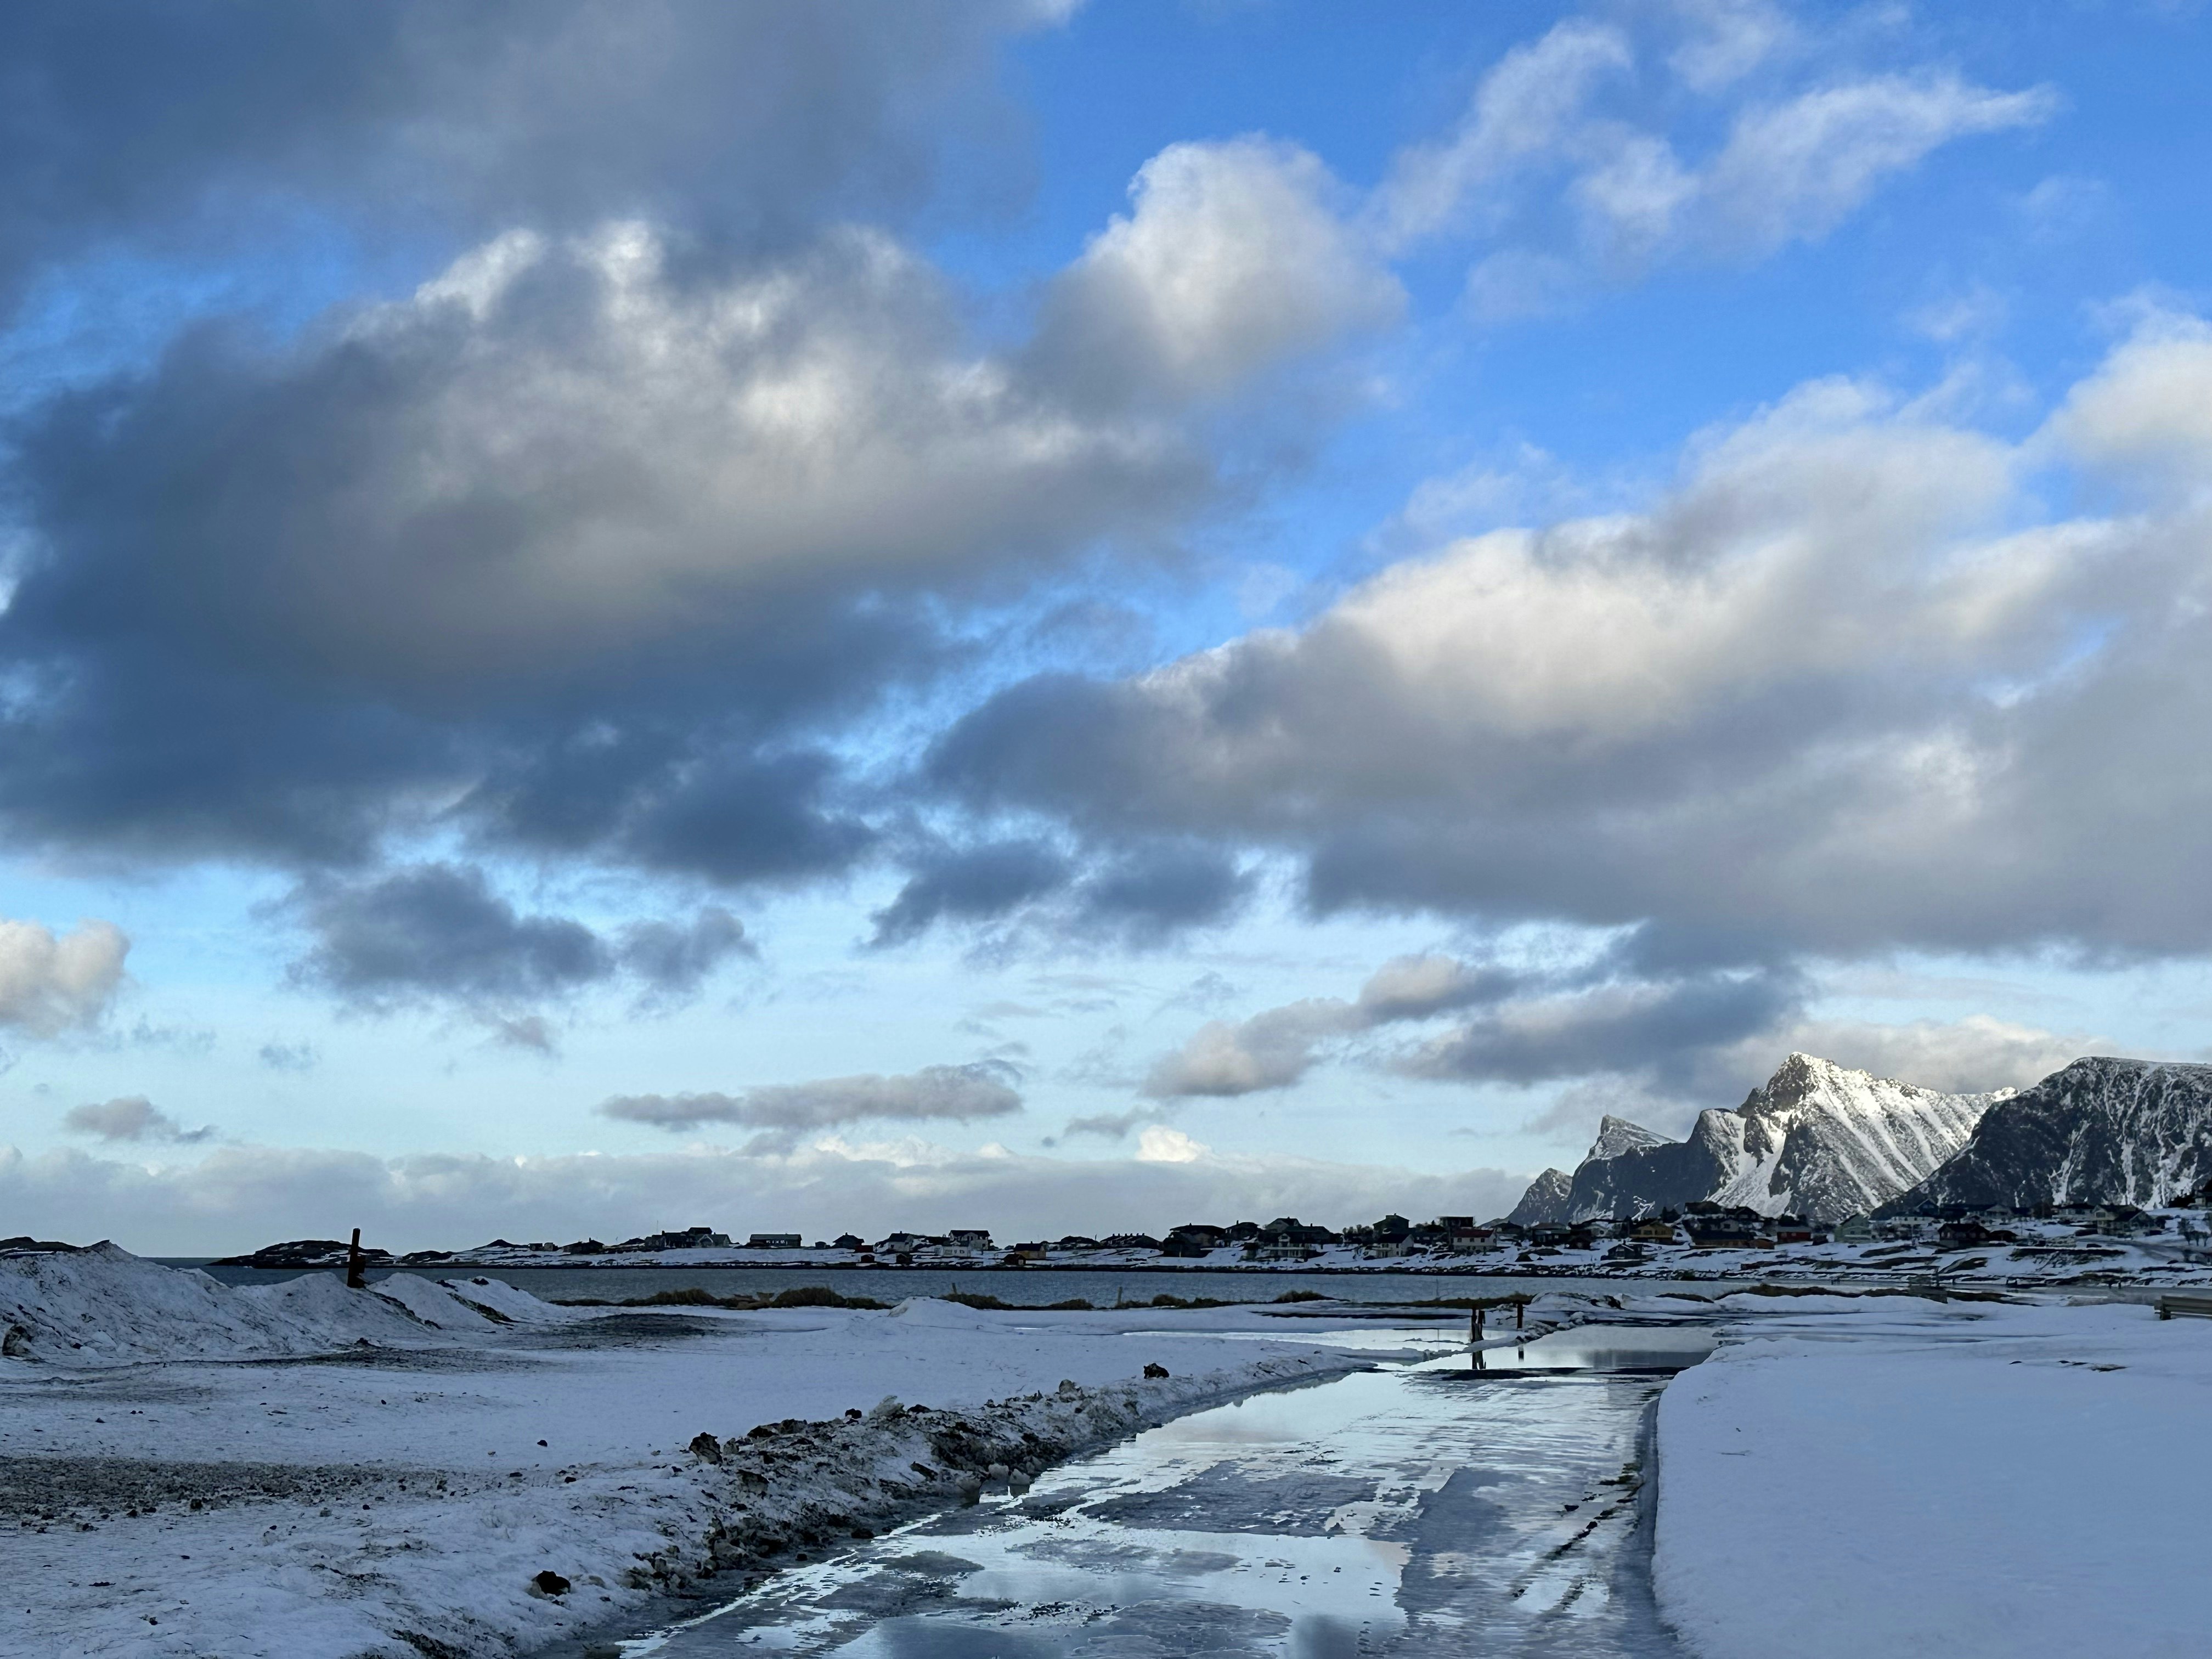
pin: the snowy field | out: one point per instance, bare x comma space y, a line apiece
299, 1470
1904, 1477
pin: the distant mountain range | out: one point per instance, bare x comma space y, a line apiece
2099, 1131
1816, 1138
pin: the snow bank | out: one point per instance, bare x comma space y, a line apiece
104, 1306
1910, 1478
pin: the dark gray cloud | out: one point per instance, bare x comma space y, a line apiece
1029, 894
600, 542
673, 958
289, 1056
131, 1118
1277, 1047
440, 931
1151, 893
958, 1094
982, 882
745, 120
1664, 1031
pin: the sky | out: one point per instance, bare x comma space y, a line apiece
1072, 618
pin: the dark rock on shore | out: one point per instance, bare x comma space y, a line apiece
306, 1253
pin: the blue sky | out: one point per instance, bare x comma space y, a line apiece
1061, 616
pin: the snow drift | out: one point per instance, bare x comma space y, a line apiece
103, 1306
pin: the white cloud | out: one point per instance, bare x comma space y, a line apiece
50, 984
1565, 119
1533, 102
1849, 686
1727, 39
1159, 1143
1791, 172
1232, 261
2145, 416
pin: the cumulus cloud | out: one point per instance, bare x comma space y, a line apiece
440, 931
1232, 259
238, 1198
50, 984
961, 1094
1847, 686
133, 1118
589, 542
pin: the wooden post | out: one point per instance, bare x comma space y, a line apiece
355, 1280
1520, 1313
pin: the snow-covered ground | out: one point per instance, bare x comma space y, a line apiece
1898, 1476
300, 1470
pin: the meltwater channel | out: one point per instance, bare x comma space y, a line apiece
1445, 1505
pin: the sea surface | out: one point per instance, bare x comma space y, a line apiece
1020, 1287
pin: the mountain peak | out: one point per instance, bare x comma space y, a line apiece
1616, 1135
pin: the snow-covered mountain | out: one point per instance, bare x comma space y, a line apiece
2099, 1131
1816, 1138
1545, 1199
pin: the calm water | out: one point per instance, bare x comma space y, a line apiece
1027, 1286
1419, 1510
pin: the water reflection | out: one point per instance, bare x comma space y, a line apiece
1398, 1511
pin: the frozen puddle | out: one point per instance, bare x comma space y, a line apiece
1426, 1509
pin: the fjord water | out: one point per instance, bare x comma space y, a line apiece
1420, 1508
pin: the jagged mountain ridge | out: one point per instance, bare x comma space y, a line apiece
1816, 1138
2101, 1130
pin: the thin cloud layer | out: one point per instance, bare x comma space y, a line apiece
1571, 118
961, 1094
238, 1198
131, 1118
